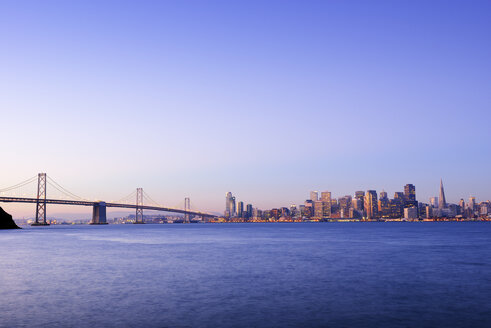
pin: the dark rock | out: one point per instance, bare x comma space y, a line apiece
6, 221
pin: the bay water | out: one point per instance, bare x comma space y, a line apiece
247, 275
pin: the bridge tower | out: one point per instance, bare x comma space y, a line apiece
41, 201
139, 204
187, 207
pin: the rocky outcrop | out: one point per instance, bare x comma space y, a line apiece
6, 221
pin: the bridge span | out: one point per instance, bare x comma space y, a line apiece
98, 207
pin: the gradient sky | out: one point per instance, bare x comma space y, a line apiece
267, 99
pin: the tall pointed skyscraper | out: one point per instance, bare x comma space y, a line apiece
441, 201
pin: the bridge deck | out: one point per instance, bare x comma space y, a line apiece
90, 203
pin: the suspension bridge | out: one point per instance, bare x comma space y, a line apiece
137, 200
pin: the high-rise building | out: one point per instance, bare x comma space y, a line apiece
326, 196
410, 196
399, 196
326, 204
397, 205
384, 205
371, 204
434, 201
410, 193
293, 210
233, 209
308, 210
318, 209
228, 201
314, 196
240, 209
361, 196
441, 201
249, 211
344, 206
472, 204
357, 204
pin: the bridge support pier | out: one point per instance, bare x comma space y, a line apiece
99, 213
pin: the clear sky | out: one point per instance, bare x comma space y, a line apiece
267, 99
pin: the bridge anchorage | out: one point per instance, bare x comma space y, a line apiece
99, 215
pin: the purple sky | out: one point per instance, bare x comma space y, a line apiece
267, 99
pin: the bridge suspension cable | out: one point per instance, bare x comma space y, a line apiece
128, 199
63, 190
20, 184
148, 198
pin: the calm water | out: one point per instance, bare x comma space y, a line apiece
247, 275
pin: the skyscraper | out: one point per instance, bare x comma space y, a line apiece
371, 204
229, 205
472, 204
228, 199
441, 201
249, 211
410, 192
360, 195
410, 196
314, 196
240, 209
233, 209
326, 204
384, 205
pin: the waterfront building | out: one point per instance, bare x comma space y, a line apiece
233, 208
371, 204
308, 209
422, 209
301, 210
472, 204
344, 206
462, 206
228, 205
361, 196
240, 209
429, 211
326, 204
484, 208
397, 206
354, 214
318, 209
249, 210
410, 196
411, 213
384, 205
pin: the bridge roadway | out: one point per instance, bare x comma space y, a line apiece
99, 207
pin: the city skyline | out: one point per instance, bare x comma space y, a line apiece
362, 205
268, 99
25, 211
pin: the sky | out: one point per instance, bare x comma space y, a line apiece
266, 99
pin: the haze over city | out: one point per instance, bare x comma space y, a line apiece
269, 100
